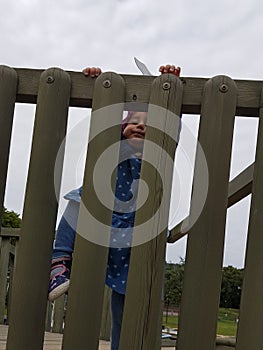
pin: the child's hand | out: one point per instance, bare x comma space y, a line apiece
92, 71
170, 69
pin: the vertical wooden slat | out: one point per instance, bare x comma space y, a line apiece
202, 278
141, 328
250, 328
4, 261
105, 329
32, 266
59, 313
85, 300
48, 317
8, 87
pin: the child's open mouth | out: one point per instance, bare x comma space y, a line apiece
139, 135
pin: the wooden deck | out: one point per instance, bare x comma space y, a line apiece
52, 341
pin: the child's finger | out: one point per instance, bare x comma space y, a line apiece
177, 71
167, 68
86, 71
92, 71
98, 71
173, 70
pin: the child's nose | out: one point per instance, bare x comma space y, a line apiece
141, 125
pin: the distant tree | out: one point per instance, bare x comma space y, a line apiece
10, 219
231, 287
173, 284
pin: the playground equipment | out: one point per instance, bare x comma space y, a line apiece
218, 100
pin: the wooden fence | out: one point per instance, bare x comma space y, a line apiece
55, 315
218, 100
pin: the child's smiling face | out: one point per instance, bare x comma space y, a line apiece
135, 130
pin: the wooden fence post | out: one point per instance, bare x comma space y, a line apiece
58, 315
33, 261
85, 299
250, 327
141, 327
48, 317
203, 269
8, 86
105, 328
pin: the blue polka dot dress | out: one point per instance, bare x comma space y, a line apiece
128, 174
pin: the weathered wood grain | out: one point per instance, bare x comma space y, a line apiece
8, 86
241, 185
250, 327
88, 274
141, 320
138, 88
32, 270
204, 255
10, 232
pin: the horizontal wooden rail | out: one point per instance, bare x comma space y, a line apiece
225, 342
239, 188
241, 185
10, 232
138, 90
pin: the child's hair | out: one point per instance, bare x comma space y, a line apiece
126, 120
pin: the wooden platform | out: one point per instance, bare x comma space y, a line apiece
52, 341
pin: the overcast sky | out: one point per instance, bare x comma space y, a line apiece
205, 38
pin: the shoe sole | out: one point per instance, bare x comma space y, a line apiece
57, 292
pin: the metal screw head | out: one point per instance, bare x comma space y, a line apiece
166, 86
223, 88
107, 83
50, 79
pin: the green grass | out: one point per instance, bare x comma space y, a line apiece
226, 325
227, 321
172, 321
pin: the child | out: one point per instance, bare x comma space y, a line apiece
128, 172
